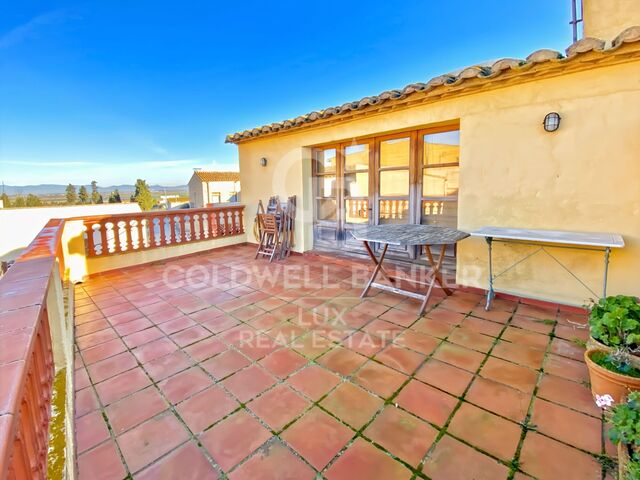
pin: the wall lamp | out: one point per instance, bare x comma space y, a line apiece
263, 161
551, 122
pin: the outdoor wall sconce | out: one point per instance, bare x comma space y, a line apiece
263, 162
551, 121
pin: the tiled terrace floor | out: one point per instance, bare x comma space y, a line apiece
233, 377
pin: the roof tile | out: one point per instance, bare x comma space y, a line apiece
217, 176
485, 73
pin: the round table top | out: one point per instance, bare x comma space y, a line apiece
403, 235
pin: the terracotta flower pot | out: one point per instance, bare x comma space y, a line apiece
605, 382
593, 344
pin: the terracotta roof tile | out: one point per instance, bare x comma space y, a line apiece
586, 45
217, 176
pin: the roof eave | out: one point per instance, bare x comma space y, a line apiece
583, 53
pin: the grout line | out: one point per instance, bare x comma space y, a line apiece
534, 395
290, 300
461, 398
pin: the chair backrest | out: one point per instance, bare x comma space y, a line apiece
268, 222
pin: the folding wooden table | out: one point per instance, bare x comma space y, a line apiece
407, 235
602, 242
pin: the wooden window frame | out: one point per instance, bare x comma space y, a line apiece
415, 168
379, 168
315, 175
421, 166
371, 180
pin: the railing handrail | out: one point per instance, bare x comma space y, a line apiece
158, 213
107, 235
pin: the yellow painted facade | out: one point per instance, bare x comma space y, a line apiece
584, 177
605, 19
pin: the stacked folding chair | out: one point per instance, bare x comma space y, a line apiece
275, 228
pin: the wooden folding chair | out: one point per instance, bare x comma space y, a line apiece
269, 236
257, 233
287, 226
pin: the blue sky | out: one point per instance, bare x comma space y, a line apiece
119, 90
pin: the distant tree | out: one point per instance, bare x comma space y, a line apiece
142, 195
33, 201
95, 195
100, 199
19, 201
72, 196
6, 201
83, 195
115, 197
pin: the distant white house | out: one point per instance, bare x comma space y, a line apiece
213, 187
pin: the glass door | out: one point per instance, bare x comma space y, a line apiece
393, 191
440, 163
326, 223
403, 178
357, 206
342, 189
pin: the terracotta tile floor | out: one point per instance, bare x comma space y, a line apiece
220, 366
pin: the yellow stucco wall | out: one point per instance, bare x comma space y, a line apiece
583, 177
605, 19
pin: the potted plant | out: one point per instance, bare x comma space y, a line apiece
614, 327
625, 433
614, 322
633, 470
613, 374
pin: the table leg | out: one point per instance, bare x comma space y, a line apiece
490, 293
435, 268
436, 271
375, 260
376, 270
607, 252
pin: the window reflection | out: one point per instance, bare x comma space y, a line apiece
440, 212
327, 186
440, 181
395, 152
356, 157
394, 183
326, 160
357, 210
327, 209
441, 148
393, 211
356, 184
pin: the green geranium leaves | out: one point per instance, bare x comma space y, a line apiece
615, 322
625, 423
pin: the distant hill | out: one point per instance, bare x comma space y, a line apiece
54, 189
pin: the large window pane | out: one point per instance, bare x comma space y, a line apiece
356, 184
326, 160
440, 181
394, 183
393, 211
327, 186
395, 152
356, 157
441, 148
356, 210
326, 208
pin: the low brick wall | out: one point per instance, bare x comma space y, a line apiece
26, 354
